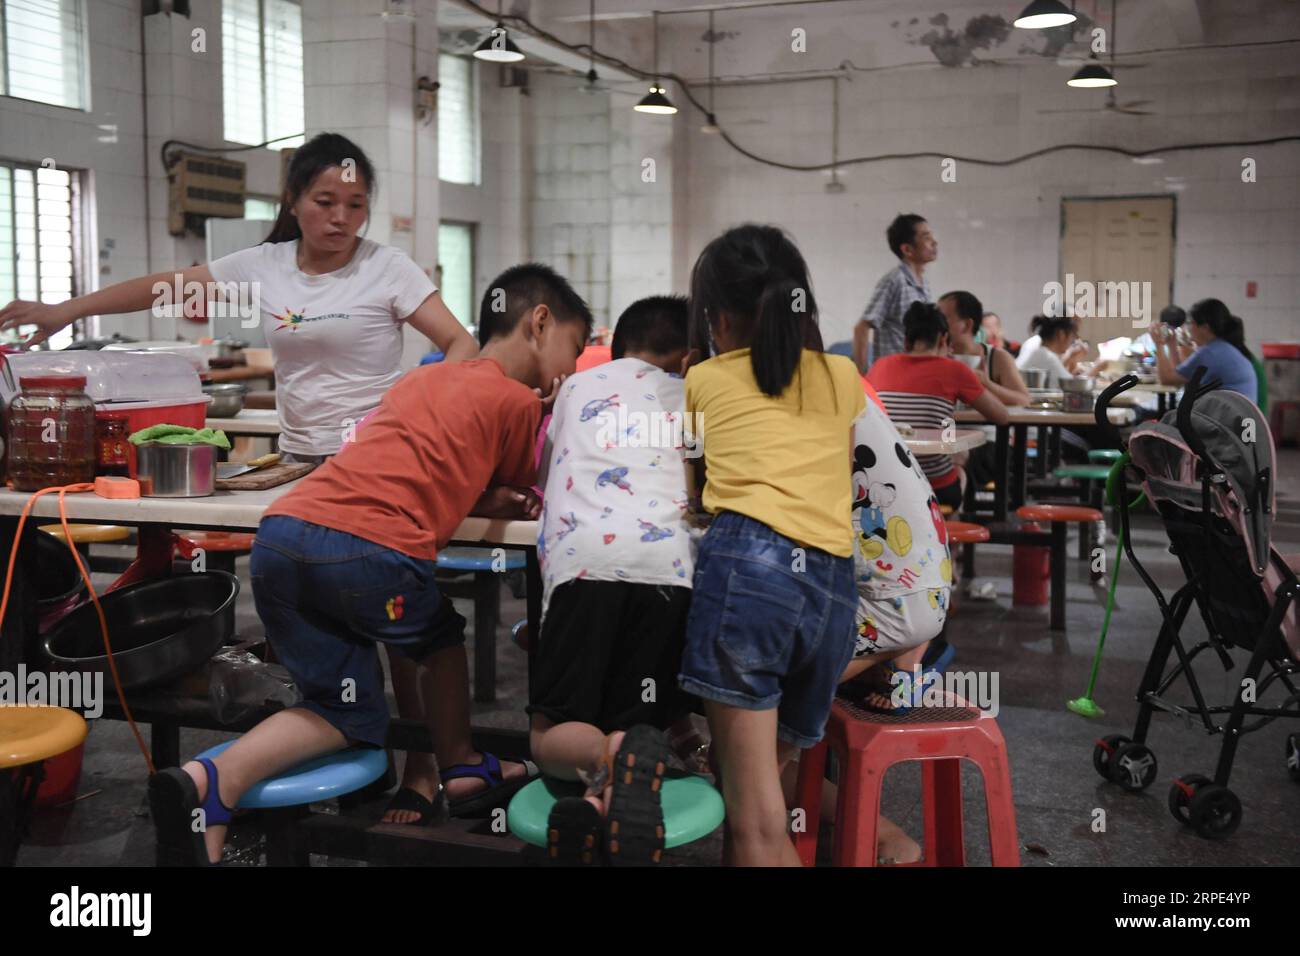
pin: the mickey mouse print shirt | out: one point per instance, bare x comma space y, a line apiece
615, 480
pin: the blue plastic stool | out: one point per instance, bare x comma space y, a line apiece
485, 590
285, 796
692, 809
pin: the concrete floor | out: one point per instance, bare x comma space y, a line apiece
1057, 792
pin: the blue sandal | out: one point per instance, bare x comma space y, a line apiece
498, 787
173, 801
938, 664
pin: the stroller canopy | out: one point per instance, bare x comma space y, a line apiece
1238, 445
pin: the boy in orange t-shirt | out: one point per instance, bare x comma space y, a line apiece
345, 561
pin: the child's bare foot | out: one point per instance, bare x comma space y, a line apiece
895, 846
416, 798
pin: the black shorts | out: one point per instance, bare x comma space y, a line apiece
601, 642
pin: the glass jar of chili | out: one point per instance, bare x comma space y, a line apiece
111, 444
51, 433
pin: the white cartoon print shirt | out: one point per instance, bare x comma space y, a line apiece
615, 481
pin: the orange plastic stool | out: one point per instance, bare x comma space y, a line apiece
966, 532
1059, 516
220, 548
868, 744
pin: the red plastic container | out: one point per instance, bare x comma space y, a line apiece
62, 775
1031, 573
1281, 350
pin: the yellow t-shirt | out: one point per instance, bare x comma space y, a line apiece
783, 461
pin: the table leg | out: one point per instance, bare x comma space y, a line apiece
19, 632
1040, 461
1019, 471
1000, 455
533, 602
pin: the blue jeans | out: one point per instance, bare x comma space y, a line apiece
328, 599
771, 625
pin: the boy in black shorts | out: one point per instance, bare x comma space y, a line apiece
617, 562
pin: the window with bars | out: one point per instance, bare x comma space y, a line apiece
261, 71
42, 51
458, 120
456, 259
38, 247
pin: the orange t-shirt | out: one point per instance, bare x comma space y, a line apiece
443, 435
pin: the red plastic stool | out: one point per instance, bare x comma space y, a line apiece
220, 548
1059, 516
868, 744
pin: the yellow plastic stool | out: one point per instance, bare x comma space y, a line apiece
28, 737
89, 533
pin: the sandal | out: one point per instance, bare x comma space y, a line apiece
498, 786
173, 802
634, 824
573, 832
407, 799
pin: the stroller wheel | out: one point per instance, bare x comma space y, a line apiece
1103, 750
1133, 767
1181, 792
1215, 811
1293, 756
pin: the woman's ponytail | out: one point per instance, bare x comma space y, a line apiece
1214, 314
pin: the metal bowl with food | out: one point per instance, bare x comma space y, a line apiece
176, 471
227, 399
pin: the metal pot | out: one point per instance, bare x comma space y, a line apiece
159, 630
1034, 377
227, 399
1077, 394
176, 471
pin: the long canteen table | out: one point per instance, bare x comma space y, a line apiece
1012, 493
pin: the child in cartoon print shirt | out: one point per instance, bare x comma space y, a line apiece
900, 554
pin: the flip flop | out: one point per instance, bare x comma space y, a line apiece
407, 799
634, 825
498, 790
173, 800
573, 832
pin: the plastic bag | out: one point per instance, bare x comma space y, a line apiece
240, 684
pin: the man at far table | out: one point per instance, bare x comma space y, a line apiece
880, 330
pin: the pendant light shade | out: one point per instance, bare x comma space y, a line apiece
1041, 14
1092, 76
497, 47
655, 102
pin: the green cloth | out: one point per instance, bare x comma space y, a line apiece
180, 435
1261, 385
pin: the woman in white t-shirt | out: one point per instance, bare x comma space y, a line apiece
332, 303
1059, 353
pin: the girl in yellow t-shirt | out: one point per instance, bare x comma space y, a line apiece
770, 629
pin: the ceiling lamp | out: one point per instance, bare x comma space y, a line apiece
1041, 14
497, 47
1092, 76
656, 101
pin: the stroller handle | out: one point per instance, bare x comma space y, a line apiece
1104, 399
1184, 420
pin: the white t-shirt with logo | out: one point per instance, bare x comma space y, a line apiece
336, 338
615, 480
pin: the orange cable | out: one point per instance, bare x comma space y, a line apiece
85, 576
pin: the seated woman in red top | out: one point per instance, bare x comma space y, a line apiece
921, 387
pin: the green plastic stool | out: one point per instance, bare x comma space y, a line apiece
1107, 455
1086, 472
692, 808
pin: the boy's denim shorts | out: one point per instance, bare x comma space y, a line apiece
328, 599
762, 634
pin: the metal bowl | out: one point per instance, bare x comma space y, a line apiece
227, 399
159, 630
176, 471
1034, 377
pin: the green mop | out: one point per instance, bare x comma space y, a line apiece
1085, 706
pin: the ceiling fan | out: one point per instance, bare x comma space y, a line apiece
1112, 105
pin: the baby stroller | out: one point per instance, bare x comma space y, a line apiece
1208, 468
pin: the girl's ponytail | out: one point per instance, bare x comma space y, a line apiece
777, 342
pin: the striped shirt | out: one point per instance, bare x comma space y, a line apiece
894, 294
922, 391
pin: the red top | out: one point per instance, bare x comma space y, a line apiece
443, 435
592, 356
922, 391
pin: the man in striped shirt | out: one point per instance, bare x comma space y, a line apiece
921, 387
881, 325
